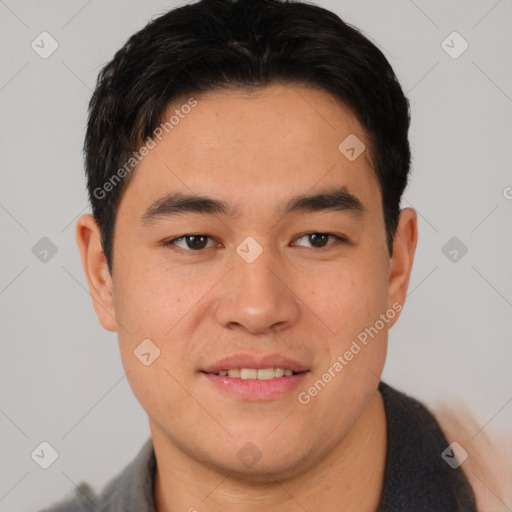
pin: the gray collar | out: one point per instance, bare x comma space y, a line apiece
132, 489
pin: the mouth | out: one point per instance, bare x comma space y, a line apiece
255, 373
255, 377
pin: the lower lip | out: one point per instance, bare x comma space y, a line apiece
257, 390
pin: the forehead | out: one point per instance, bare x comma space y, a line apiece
254, 146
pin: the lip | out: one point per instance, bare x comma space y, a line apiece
255, 390
252, 389
257, 361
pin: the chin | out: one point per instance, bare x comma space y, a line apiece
265, 470
260, 461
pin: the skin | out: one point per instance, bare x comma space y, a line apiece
254, 151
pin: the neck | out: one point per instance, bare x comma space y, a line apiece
351, 475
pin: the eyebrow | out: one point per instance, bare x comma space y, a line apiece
334, 199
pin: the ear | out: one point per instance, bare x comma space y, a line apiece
404, 246
88, 237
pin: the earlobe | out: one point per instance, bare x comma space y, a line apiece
404, 247
88, 238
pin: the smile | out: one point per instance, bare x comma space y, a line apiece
256, 374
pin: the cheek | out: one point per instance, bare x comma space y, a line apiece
152, 304
151, 299
350, 298
165, 305
350, 301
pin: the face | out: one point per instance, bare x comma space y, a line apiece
258, 281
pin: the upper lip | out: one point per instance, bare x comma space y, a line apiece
257, 361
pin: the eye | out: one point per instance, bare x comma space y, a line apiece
191, 242
319, 240
199, 242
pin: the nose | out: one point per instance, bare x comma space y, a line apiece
258, 297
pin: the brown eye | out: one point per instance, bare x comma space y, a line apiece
190, 242
196, 241
320, 240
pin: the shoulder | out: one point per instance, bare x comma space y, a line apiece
488, 465
82, 500
417, 476
130, 491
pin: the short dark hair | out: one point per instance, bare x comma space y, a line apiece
218, 44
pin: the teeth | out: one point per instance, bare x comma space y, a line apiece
266, 373
254, 374
248, 373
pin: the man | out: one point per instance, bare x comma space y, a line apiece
245, 164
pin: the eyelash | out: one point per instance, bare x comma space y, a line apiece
338, 240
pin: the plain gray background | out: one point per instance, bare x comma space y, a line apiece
61, 375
